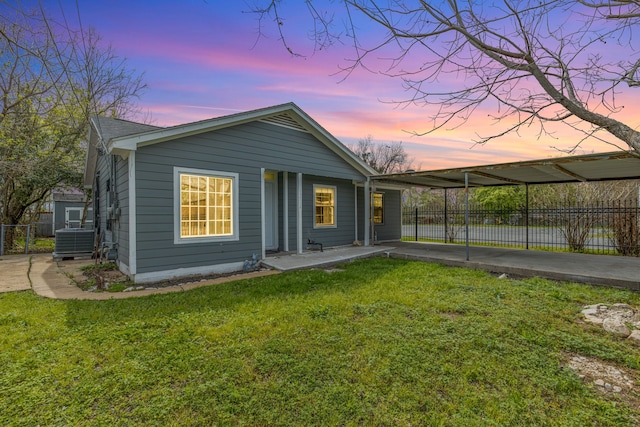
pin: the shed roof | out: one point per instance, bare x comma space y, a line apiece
590, 167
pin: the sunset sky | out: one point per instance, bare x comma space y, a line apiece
203, 58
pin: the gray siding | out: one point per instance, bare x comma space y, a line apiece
344, 232
113, 170
121, 224
392, 227
243, 149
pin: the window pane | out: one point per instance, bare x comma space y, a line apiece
378, 208
205, 206
325, 205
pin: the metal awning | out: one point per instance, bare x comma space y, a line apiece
590, 167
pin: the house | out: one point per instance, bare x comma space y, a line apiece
204, 197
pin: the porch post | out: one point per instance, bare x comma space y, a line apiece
367, 207
299, 213
285, 208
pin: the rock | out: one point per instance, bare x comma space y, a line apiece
503, 276
590, 311
593, 319
617, 389
615, 326
608, 386
620, 306
599, 382
635, 335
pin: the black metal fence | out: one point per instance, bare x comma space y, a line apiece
605, 227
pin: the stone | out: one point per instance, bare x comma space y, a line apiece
620, 306
599, 382
593, 319
615, 326
590, 311
503, 276
617, 389
635, 335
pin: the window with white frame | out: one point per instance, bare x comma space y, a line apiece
378, 208
324, 202
206, 205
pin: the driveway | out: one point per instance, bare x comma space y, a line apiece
14, 272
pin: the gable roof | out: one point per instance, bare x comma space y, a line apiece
288, 115
121, 136
102, 130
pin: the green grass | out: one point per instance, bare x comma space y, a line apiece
384, 342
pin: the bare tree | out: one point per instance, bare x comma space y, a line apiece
384, 157
531, 62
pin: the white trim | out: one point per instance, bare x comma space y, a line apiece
335, 207
299, 212
285, 209
124, 268
157, 276
235, 183
133, 245
263, 233
367, 201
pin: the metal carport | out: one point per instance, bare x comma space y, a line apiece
619, 165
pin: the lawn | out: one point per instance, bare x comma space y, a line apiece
378, 342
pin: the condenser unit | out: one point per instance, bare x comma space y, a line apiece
73, 242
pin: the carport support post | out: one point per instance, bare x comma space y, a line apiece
2, 240
466, 210
446, 218
526, 214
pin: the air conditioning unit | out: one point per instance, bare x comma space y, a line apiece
73, 242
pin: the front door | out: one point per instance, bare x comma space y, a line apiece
270, 211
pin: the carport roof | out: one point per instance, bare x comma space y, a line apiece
590, 167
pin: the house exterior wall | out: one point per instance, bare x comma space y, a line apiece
112, 204
244, 149
392, 227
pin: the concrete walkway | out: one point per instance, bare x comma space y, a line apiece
14, 273
53, 279
607, 270
308, 259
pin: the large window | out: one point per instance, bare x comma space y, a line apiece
325, 206
378, 208
207, 208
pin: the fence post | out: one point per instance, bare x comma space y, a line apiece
26, 239
416, 218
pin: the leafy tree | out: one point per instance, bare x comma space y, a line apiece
53, 79
529, 62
